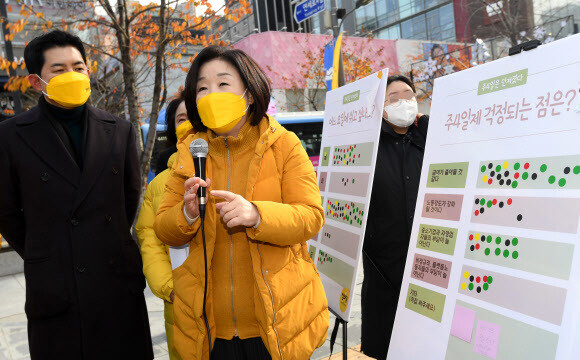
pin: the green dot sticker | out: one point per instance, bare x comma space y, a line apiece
562, 182
489, 239
543, 168
515, 254
471, 286
515, 241
353, 180
577, 169
489, 280
497, 252
487, 251
489, 203
485, 286
498, 240
514, 184
552, 179
506, 253
498, 168
483, 168
525, 176
482, 201
517, 166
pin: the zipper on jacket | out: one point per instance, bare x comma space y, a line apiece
231, 248
271, 299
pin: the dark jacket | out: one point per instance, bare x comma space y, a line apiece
84, 281
393, 199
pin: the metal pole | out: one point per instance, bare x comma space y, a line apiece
9, 55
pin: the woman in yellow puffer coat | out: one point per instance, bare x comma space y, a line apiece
157, 264
265, 299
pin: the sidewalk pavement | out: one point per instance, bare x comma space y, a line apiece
14, 340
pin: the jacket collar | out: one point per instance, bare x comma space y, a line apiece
413, 135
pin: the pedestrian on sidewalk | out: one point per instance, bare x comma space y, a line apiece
158, 261
70, 188
394, 194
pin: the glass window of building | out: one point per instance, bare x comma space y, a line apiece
414, 28
410, 7
390, 33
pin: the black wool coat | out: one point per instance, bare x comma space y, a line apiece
391, 211
71, 225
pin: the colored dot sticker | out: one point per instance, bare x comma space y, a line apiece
517, 166
485, 287
478, 279
498, 168
576, 169
543, 168
477, 246
509, 201
526, 166
489, 203
506, 253
505, 164
498, 240
497, 252
464, 285
477, 236
471, 237
485, 279
552, 179
485, 178
489, 239
483, 168
515, 241
482, 201
466, 274
489, 279
514, 184
515, 254
562, 182
471, 286
487, 251
525, 176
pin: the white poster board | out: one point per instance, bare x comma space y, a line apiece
493, 269
350, 137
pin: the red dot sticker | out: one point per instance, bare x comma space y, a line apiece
489, 181
477, 246
509, 202
517, 175
478, 279
526, 166
471, 237
476, 212
494, 201
485, 278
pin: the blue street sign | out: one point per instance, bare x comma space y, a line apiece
307, 9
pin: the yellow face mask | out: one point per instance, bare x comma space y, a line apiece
71, 89
183, 129
221, 111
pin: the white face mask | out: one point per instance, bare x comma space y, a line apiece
402, 113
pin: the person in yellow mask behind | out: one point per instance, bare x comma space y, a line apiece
264, 298
159, 260
70, 181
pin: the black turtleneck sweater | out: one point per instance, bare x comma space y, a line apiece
72, 119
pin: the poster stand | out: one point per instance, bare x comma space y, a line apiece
337, 323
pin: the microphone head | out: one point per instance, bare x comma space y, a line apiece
198, 148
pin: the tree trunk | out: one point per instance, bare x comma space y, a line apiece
153, 116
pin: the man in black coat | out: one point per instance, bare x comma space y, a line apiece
69, 189
393, 199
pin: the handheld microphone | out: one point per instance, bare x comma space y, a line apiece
198, 149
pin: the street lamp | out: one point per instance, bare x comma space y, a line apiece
342, 15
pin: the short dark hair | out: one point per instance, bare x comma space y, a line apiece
252, 75
34, 51
170, 120
391, 79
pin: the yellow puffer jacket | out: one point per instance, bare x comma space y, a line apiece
155, 254
290, 303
